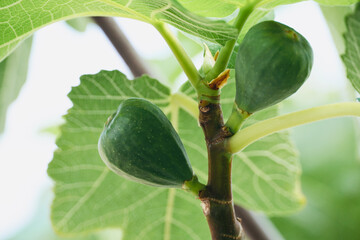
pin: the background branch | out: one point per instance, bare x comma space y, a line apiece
251, 227
138, 67
122, 45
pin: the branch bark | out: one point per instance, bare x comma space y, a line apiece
138, 68
217, 201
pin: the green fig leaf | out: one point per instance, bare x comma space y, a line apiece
209, 8
19, 19
351, 57
88, 196
83, 182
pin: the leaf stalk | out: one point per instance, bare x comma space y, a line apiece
236, 119
182, 57
187, 103
264, 128
225, 53
194, 186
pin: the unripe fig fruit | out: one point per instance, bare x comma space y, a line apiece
139, 143
273, 62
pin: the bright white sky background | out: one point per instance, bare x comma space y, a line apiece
60, 55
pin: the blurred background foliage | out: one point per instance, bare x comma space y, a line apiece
330, 182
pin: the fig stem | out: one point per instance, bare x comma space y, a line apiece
194, 186
264, 128
225, 53
186, 103
180, 54
236, 119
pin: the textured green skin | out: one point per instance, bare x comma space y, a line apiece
139, 143
273, 62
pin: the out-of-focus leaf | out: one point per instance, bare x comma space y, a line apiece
13, 73
53, 130
351, 57
335, 18
79, 24
331, 183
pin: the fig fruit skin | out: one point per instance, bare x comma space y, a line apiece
139, 143
273, 62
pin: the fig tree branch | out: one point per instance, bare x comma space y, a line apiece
138, 67
217, 200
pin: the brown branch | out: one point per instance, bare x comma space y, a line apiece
122, 45
138, 68
251, 227
217, 202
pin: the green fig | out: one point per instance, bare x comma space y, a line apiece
273, 62
139, 143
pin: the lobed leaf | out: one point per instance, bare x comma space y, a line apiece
88, 196
351, 57
13, 73
20, 18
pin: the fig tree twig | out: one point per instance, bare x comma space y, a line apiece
138, 68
